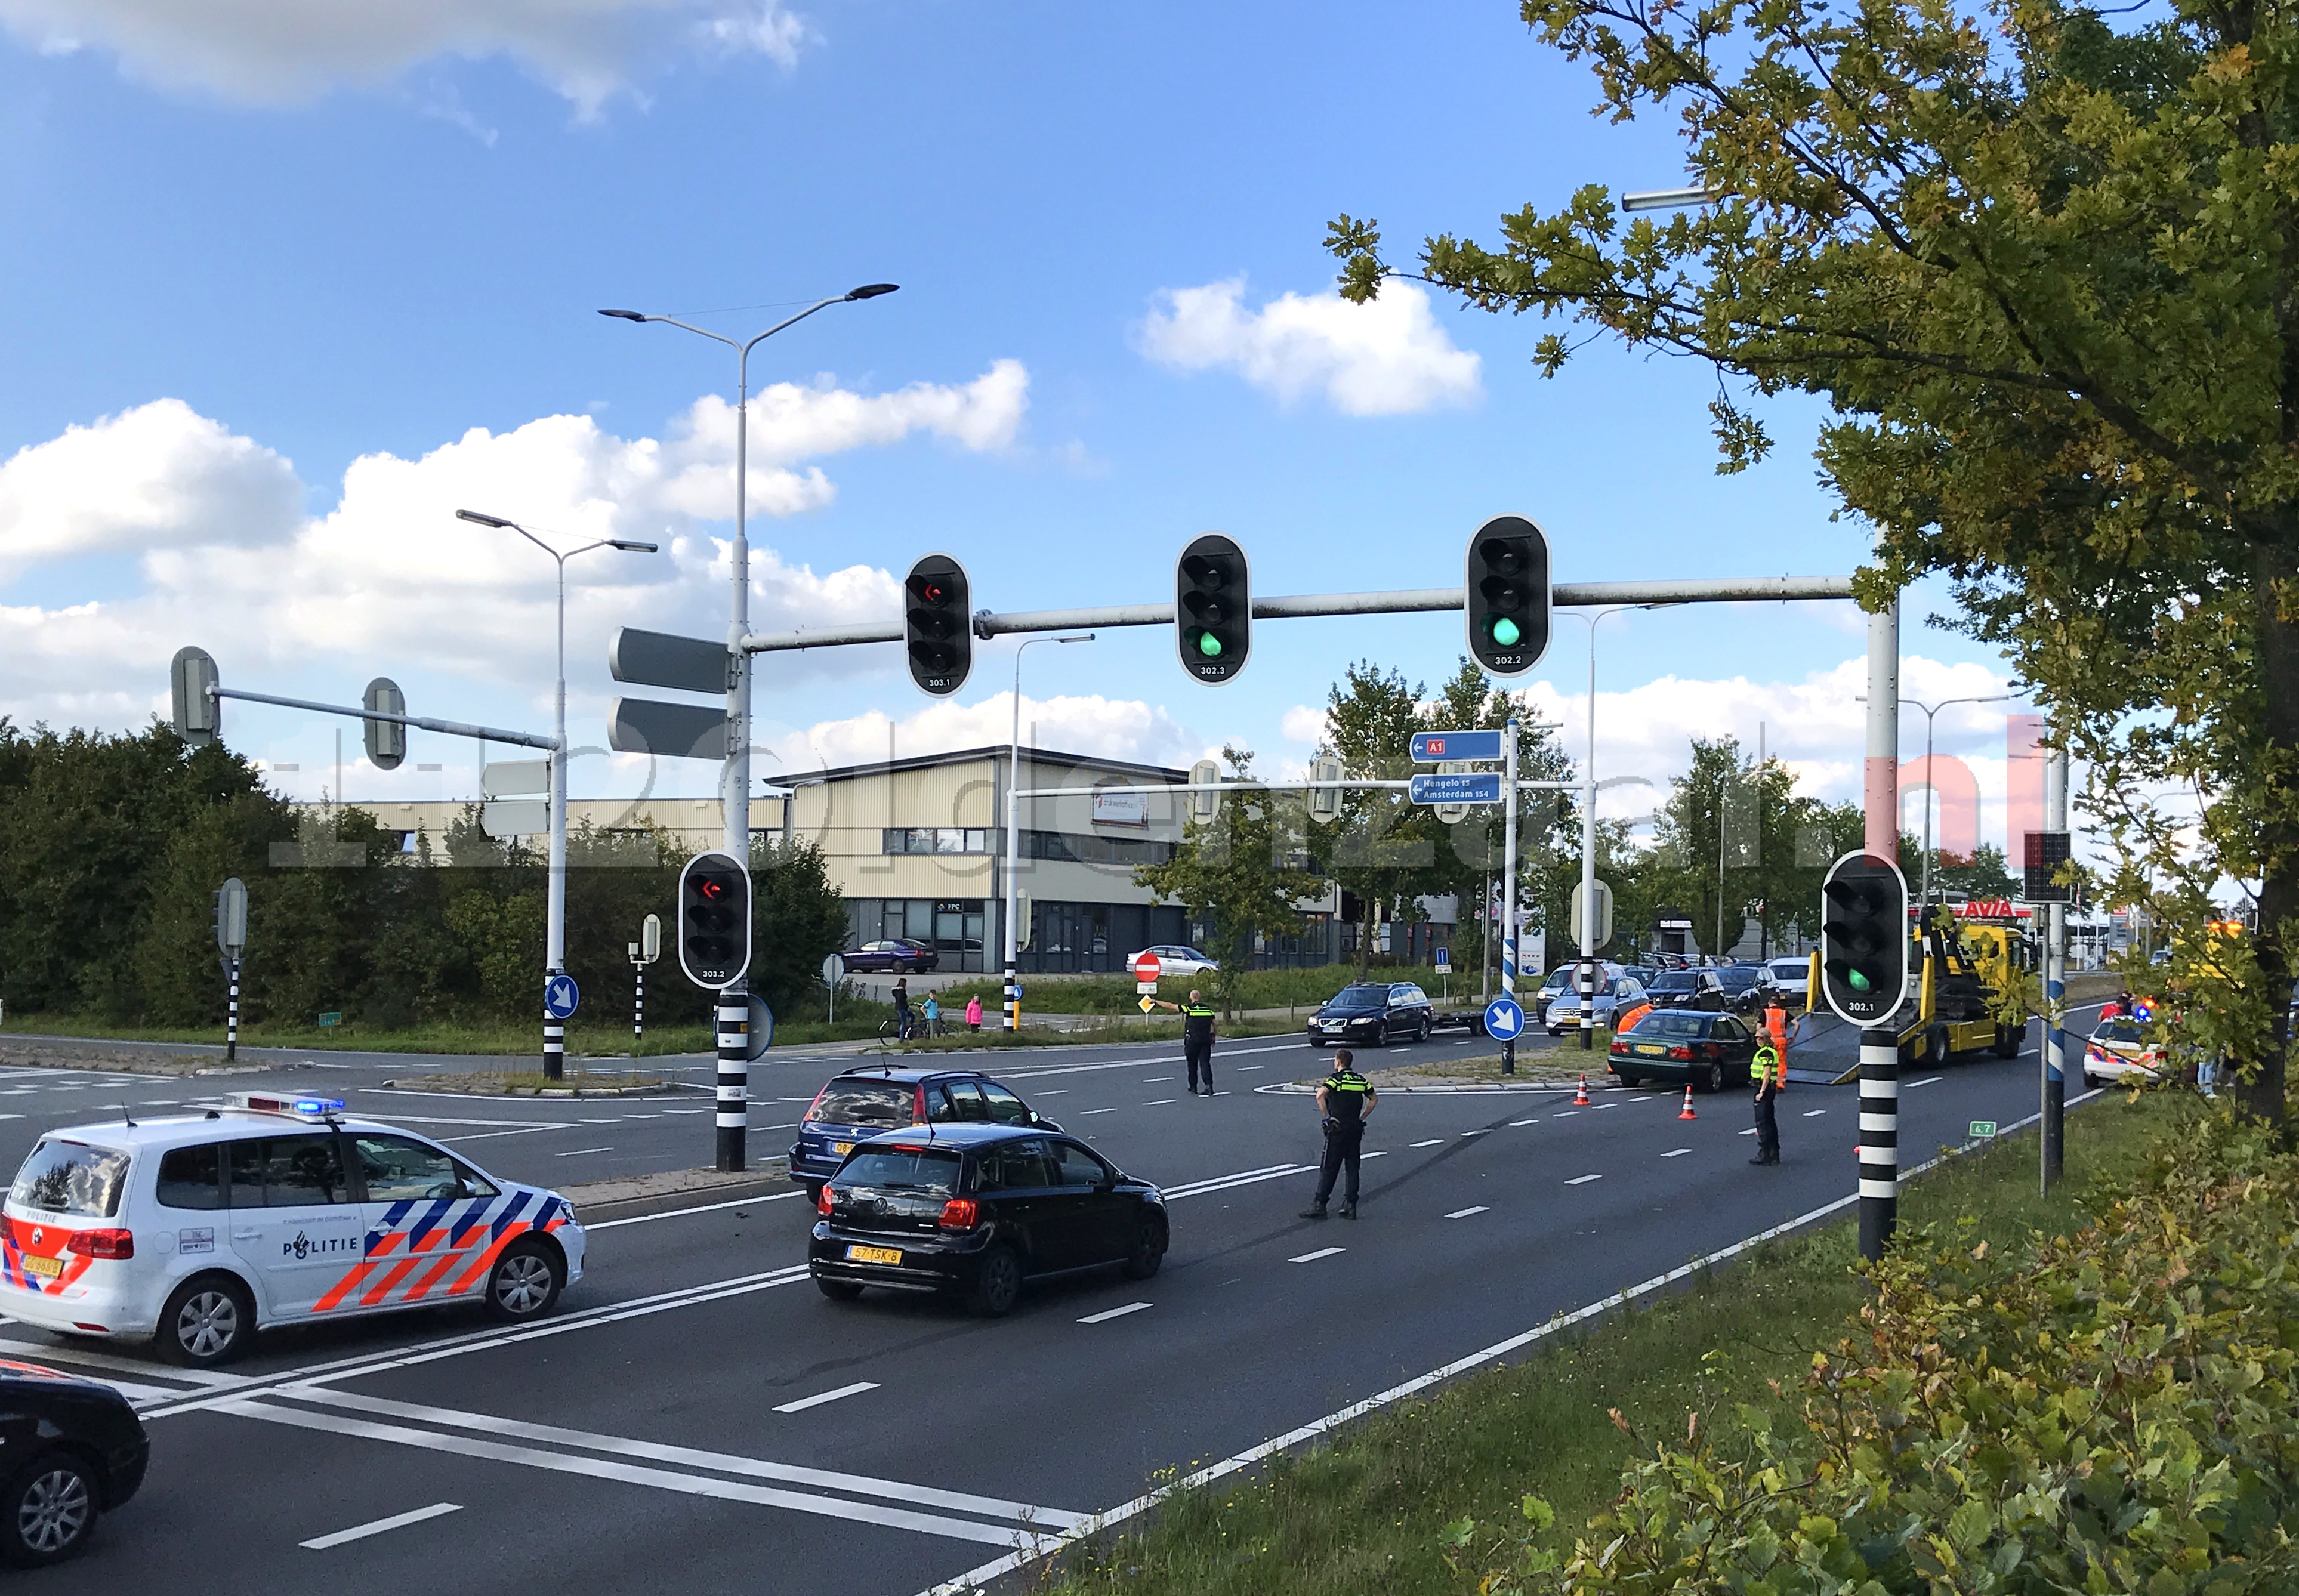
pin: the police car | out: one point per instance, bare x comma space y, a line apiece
198, 1230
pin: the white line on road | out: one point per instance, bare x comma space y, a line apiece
1583, 1180
1750, 1132
1930, 1080
1160, 1102
1676, 1152
1514, 1124
1382, 1154
1243, 1068
1462, 1213
1564, 1114
361, 1532
817, 1400
1222, 1183
1056, 1091
1107, 1314
578, 1152
678, 1213
1475, 1133
1152, 1080
1313, 1257
1813, 1113
1432, 1142
1102, 1110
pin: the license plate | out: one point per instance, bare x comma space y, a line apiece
1650, 1050
874, 1255
841, 1148
47, 1268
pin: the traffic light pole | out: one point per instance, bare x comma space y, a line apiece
2056, 985
231, 1016
1508, 882
1879, 1139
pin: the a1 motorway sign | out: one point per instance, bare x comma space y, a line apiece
1477, 786
1431, 746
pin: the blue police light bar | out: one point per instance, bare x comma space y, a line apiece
319, 1105
303, 1108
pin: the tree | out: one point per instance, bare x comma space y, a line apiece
2046, 279
1237, 870
1384, 846
1983, 875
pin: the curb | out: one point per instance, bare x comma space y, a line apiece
422, 1083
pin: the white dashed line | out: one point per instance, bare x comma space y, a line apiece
1514, 1124
1056, 1091
1750, 1132
1160, 1102
1432, 1142
1152, 1080
1313, 1257
1107, 1314
1243, 1068
1813, 1113
1933, 1080
803, 1403
578, 1152
1564, 1114
1677, 1152
1462, 1213
1473, 1133
1382, 1154
361, 1532
1101, 1111
1583, 1180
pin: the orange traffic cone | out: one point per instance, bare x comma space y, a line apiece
1581, 1101
1688, 1113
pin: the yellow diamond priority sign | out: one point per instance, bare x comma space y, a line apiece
1148, 1004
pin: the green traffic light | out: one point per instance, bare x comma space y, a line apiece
1505, 632
1208, 645
1858, 982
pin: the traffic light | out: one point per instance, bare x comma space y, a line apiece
1863, 937
937, 626
1213, 608
1507, 597
714, 920
191, 681
386, 740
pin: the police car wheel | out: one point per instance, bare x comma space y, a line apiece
47, 1511
207, 1322
524, 1283
998, 1284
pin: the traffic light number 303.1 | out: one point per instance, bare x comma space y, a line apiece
937, 625
714, 920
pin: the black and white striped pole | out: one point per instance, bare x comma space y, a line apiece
231, 1018
554, 1042
714, 950
1879, 1139
733, 1077
638, 1004
231, 942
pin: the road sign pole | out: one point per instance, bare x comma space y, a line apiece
1508, 885
2055, 979
638, 1004
733, 1077
554, 1046
231, 1018
1879, 1139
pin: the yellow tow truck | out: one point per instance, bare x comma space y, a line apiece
1962, 961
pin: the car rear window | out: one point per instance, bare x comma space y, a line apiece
1790, 970
1675, 980
2119, 1030
1358, 999
1737, 980
902, 1168
72, 1178
865, 1102
1671, 1022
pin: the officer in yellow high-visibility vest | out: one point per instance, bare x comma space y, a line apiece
1771, 1075
1345, 1100
1198, 1019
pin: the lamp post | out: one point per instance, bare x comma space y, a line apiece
554, 951
734, 776
1014, 838
1587, 926
1924, 896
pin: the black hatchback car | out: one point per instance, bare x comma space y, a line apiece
1688, 989
1710, 1051
78, 1451
1373, 1013
862, 1103
974, 1210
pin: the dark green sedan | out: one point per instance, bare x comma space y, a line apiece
1677, 1045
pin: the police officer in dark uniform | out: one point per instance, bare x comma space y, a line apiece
1197, 1039
1771, 1078
1346, 1101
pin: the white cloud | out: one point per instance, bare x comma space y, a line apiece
1085, 723
1302, 724
1386, 358
228, 559
285, 52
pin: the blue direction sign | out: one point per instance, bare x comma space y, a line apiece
1444, 959
1477, 786
1429, 747
1504, 1021
560, 996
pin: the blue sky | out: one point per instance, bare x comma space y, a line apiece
272, 266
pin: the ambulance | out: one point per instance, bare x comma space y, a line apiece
197, 1231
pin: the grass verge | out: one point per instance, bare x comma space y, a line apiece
1368, 1512
596, 1039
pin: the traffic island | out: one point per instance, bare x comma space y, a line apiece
769, 1177
534, 1083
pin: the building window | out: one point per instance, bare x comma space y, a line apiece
1094, 850
934, 839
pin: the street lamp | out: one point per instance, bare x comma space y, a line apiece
554, 953
1013, 834
1587, 930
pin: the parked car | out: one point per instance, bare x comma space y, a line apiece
1176, 961
1747, 987
977, 1210
1709, 1050
1613, 997
1793, 976
2118, 1048
896, 956
862, 1103
1560, 980
77, 1450
1373, 1013
1688, 989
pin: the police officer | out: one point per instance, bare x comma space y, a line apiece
1771, 1076
1197, 1039
1345, 1098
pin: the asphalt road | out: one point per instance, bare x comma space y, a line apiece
695, 1405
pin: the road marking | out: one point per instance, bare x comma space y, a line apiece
1750, 1132
361, 1532
803, 1403
658, 1117
1564, 1114
600, 1468
1432, 1142
1102, 1110
1056, 1091
1222, 1183
1107, 1314
1514, 1124
1160, 1102
686, 1110
1462, 1213
1608, 1105
1152, 1080
1243, 1068
1313, 1257
1932, 1080
1475, 1133
1583, 1180
676, 1213
1676, 1153
578, 1152
1382, 1154
1813, 1113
